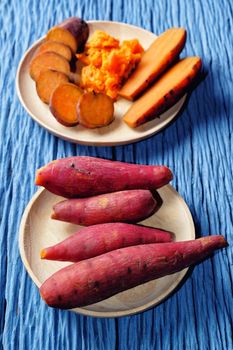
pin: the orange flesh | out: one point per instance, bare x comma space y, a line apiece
62, 36
53, 46
108, 62
164, 93
95, 110
155, 60
48, 60
47, 82
63, 103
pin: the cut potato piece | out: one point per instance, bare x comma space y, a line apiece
63, 103
47, 82
63, 36
164, 93
72, 32
48, 60
95, 110
163, 51
53, 46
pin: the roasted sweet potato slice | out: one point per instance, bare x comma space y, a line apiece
63, 36
53, 46
164, 93
63, 103
163, 51
72, 32
48, 60
95, 110
47, 82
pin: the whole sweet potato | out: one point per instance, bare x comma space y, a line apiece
89, 176
123, 206
99, 239
92, 280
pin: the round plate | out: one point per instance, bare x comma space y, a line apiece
38, 231
117, 133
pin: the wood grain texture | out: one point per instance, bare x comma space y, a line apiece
198, 147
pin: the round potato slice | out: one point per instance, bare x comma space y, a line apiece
63, 103
95, 110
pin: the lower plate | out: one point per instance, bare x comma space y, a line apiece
37, 231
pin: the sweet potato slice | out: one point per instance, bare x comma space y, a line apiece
95, 110
164, 93
47, 82
72, 32
63, 103
53, 46
163, 51
48, 60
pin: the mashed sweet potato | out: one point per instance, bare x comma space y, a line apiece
108, 63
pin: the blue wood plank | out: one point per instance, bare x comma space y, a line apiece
198, 148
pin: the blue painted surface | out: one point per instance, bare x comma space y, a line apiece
198, 147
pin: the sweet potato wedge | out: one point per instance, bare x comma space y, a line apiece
99, 239
48, 60
63, 103
47, 82
164, 93
95, 110
163, 51
123, 206
92, 280
89, 176
53, 46
72, 32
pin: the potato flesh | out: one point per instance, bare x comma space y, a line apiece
47, 82
48, 60
59, 48
63, 36
95, 110
63, 103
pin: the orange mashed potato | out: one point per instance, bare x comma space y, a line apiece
108, 63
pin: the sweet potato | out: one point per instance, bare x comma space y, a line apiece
99, 239
164, 93
72, 32
53, 46
123, 206
48, 60
89, 281
163, 51
88, 176
95, 110
63, 103
47, 82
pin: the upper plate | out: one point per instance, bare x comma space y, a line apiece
117, 133
38, 231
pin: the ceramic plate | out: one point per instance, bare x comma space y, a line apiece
37, 231
117, 133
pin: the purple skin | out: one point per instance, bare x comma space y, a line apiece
100, 239
92, 280
123, 206
83, 176
78, 28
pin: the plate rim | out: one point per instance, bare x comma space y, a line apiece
100, 143
100, 314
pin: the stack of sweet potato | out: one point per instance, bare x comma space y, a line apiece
111, 255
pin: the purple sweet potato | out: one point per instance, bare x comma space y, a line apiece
92, 280
89, 176
123, 206
99, 239
72, 32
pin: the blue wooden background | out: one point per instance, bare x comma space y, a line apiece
198, 147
